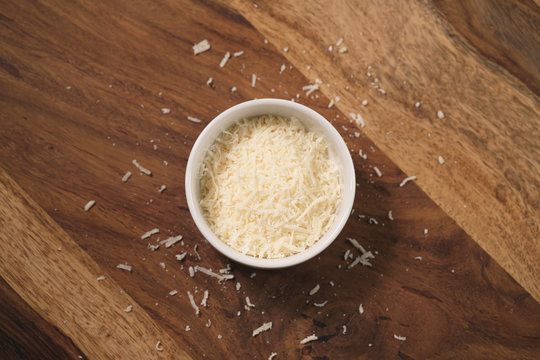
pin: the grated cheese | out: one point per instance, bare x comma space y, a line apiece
441, 160
124, 267
158, 346
171, 241
331, 104
192, 301
209, 272
147, 234
191, 271
89, 205
400, 338
201, 47
362, 155
248, 303
153, 247
358, 119
440, 114
309, 89
181, 256
141, 168
272, 355
173, 292
238, 286
194, 119
248, 196
323, 304
233, 89
314, 290
418, 258
309, 339
361, 309
101, 278
264, 327
364, 103
225, 59
205, 299
128, 309
344, 329
418, 104
390, 216
210, 81
343, 50
282, 69
126, 176
239, 53
253, 80
162, 189
406, 180
339, 42
165, 111
377, 171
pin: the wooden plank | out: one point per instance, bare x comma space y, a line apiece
64, 147
51, 273
489, 137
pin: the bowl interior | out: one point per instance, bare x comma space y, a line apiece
314, 122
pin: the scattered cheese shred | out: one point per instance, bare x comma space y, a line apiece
390, 216
282, 69
201, 47
209, 272
239, 53
124, 267
309, 89
248, 196
343, 50
147, 234
153, 247
89, 205
126, 176
377, 171
171, 241
141, 168
162, 189
248, 302
441, 160
192, 301
264, 327
358, 119
272, 355
158, 346
440, 114
181, 256
128, 309
361, 309
406, 180
194, 119
309, 339
205, 299
400, 338
173, 292
314, 290
210, 81
323, 304
253, 80
101, 278
225, 59
165, 111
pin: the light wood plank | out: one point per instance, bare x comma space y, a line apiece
59, 281
489, 137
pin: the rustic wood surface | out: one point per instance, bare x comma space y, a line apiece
82, 85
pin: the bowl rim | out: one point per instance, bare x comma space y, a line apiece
348, 190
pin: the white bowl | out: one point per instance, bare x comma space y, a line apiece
313, 122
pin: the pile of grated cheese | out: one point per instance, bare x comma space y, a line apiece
268, 187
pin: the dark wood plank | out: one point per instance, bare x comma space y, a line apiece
67, 146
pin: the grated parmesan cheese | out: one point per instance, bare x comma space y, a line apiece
323, 304
361, 309
171, 241
201, 47
165, 111
162, 189
441, 160
209, 272
248, 303
440, 114
158, 346
89, 205
282, 69
390, 216
173, 292
192, 301
126, 176
264, 327
248, 196
272, 355
377, 171
309, 89
309, 339
101, 278
124, 267
181, 256
147, 234
400, 338
406, 180
205, 299
238, 53
141, 168
253, 80
194, 119
210, 81
314, 290
225, 59
128, 309
191, 271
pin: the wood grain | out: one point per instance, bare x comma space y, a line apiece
490, 135
58, 280
65, 146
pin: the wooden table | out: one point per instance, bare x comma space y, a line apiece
452, 92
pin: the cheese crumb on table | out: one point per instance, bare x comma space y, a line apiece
193, 304
101, 278
264, 327
314, 290
400, 338
158, 346
89, 205
253, 80
165, 111
309, 339
225, 59
361, 309
441, 160
440, 114
128, 309
272, 356
406, 180
194, 119
126, 176
141, 168
201, 47
124, 267
173, 292
149, 233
